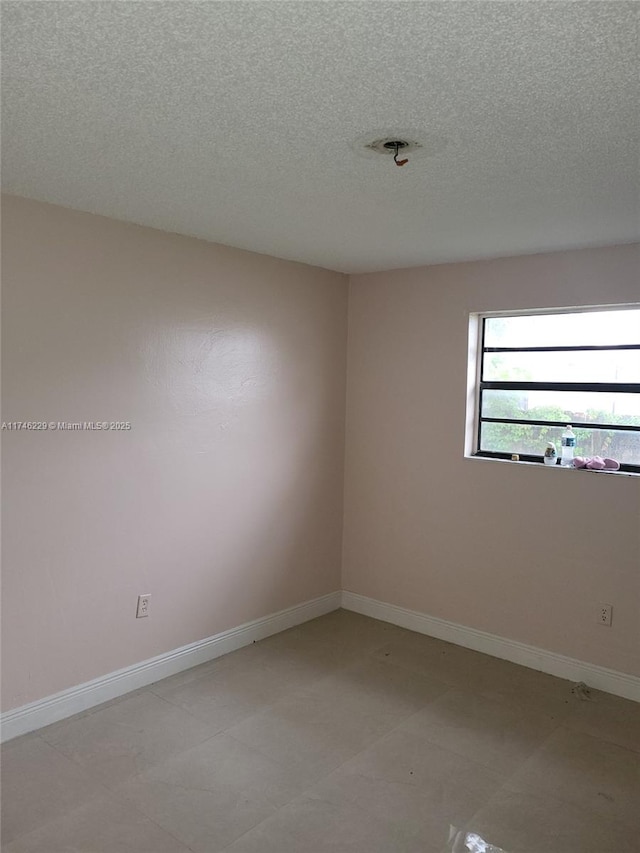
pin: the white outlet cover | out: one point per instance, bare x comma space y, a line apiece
144, 602
605, 614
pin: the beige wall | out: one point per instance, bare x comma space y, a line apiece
224, 501
519, 551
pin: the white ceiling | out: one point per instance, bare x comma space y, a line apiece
234, 121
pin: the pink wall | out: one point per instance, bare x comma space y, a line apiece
481, 543
224, 501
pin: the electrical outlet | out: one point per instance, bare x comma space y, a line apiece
144, 602
604, 614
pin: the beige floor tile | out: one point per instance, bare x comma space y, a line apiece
317, 729
228, 691
18, 742
246, 659
344, 734
379, 686
526, 688
211, 794
608, 718
223, 698
345, 629
521, 821
329, 643
309, 653
596, 775
412, 783
456, 666
296, 657
166, 685
469, 670
312, 824
38, 785
309, 741
484, 729
103, 825
125, 739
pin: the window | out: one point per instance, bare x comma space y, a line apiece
539, 372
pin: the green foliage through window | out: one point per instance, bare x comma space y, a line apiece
580, 368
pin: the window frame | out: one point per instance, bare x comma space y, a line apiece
603, 387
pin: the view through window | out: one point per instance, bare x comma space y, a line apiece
540, 372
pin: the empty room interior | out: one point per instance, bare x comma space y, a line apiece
320, 427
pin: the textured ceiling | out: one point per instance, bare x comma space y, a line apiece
235, 122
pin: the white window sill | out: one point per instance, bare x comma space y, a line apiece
556, 467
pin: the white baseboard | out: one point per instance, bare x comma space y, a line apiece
49, 710
597, 677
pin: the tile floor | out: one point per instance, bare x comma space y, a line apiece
345, 735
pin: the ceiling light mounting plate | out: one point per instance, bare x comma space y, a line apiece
391, 144
387, 141
395, 144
